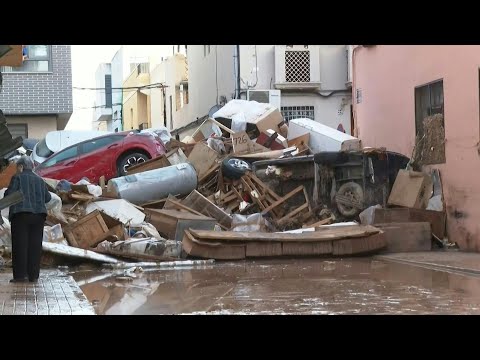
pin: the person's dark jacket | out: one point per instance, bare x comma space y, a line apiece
34, 190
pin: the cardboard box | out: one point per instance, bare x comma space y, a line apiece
411, 189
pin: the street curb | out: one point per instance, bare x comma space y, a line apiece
429, 265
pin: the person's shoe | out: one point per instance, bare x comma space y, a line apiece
33, 280
18, 280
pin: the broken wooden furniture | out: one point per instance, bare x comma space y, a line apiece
339, 240
281, 221
172, 223
88, 231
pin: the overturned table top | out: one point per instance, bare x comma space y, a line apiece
223, 245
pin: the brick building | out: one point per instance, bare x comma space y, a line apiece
37, 96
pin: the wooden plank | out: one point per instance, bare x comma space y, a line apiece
207, 174
299, 141
202, 158
259, 249
332, 233
407, 237
283, 199
167, 221
154, 204
200, 203
307, 200
319, 223
436, 218
177, 205
259, 182
7, 174
360, 245
81, 197
293, 213
197, 248
221, 126
152, 164
86, 232
307, 249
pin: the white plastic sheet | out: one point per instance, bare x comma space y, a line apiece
119, 209
95, 190
54, 207
6, 234
251, 110
249, 223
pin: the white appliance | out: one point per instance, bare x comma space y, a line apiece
322, 137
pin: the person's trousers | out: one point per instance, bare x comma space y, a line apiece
27, 236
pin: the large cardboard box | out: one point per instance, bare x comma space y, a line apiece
411, 189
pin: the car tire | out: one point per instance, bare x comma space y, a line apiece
129, 160
234, 168
353, 191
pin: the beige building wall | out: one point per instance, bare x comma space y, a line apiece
37, 126
136, 105
170, 107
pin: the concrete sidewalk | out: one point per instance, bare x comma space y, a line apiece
54, 294
455, 261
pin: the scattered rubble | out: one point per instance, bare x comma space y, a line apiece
245, 184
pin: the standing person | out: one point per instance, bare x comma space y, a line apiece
27, 221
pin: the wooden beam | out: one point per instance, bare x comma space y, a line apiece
283, 199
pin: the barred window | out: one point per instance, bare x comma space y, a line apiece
298, 112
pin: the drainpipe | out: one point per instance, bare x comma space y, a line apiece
238, 71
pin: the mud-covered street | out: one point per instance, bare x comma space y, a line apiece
295, 286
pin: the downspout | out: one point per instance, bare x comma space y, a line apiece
238, 71
354, 93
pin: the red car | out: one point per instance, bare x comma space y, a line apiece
109, 155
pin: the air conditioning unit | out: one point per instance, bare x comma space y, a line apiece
271, 97
297, 67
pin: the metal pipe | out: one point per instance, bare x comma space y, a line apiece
238, 71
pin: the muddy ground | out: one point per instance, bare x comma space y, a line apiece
283, 286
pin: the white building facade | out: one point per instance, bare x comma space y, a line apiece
309, 81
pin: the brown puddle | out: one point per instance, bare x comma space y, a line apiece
286, 286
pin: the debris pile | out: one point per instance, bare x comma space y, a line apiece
246, 184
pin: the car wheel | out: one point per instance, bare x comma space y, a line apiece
350, 192
130, 160
234, 168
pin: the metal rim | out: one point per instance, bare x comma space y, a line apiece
239, 164
132, 161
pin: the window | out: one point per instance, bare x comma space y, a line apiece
297, 66
108, 91
298, 112
181, 95
37, 59
428, 102
18, 130
94, 145
61, 156
42, 149
429, 124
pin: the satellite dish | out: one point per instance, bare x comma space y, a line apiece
213, 110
